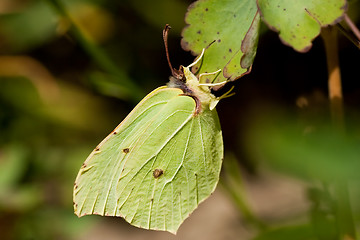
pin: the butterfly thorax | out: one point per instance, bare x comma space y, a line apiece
203, 93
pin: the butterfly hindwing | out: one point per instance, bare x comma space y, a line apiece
156, 166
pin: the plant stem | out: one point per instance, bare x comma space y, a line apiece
334, 78
344, 215
131, 90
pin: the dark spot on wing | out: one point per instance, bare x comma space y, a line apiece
157, 173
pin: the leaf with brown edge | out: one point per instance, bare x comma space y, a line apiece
221, 27
299, 22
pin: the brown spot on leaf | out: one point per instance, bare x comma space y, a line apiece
230, 50
198, 32
184, 44
219, 40
126, 150
206, 9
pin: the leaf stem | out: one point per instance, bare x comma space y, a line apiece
334, 78
344, 214
132, 91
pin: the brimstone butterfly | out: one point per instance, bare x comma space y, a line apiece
160, 162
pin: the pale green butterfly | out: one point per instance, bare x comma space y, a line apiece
161, 161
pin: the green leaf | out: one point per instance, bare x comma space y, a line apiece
299, 22
225, 24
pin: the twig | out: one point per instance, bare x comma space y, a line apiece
344, 214
334, 78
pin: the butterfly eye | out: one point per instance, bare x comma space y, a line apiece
157, 173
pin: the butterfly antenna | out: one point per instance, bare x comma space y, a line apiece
176, 73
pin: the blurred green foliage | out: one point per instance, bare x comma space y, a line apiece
53, 104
